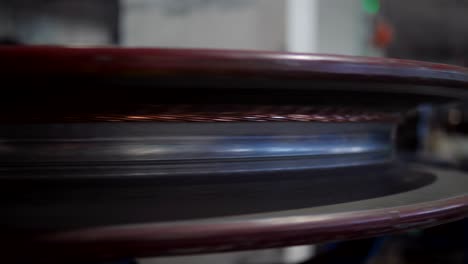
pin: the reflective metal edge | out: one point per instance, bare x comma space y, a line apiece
161, 148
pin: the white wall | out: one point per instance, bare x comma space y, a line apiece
342, 27
326, 26
317, 26
230, 24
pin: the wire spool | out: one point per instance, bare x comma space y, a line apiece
141, 152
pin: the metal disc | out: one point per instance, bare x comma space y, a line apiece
111, 152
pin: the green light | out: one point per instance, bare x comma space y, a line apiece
371, 6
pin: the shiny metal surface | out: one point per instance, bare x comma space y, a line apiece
180, 148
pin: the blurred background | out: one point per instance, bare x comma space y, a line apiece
430, 30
